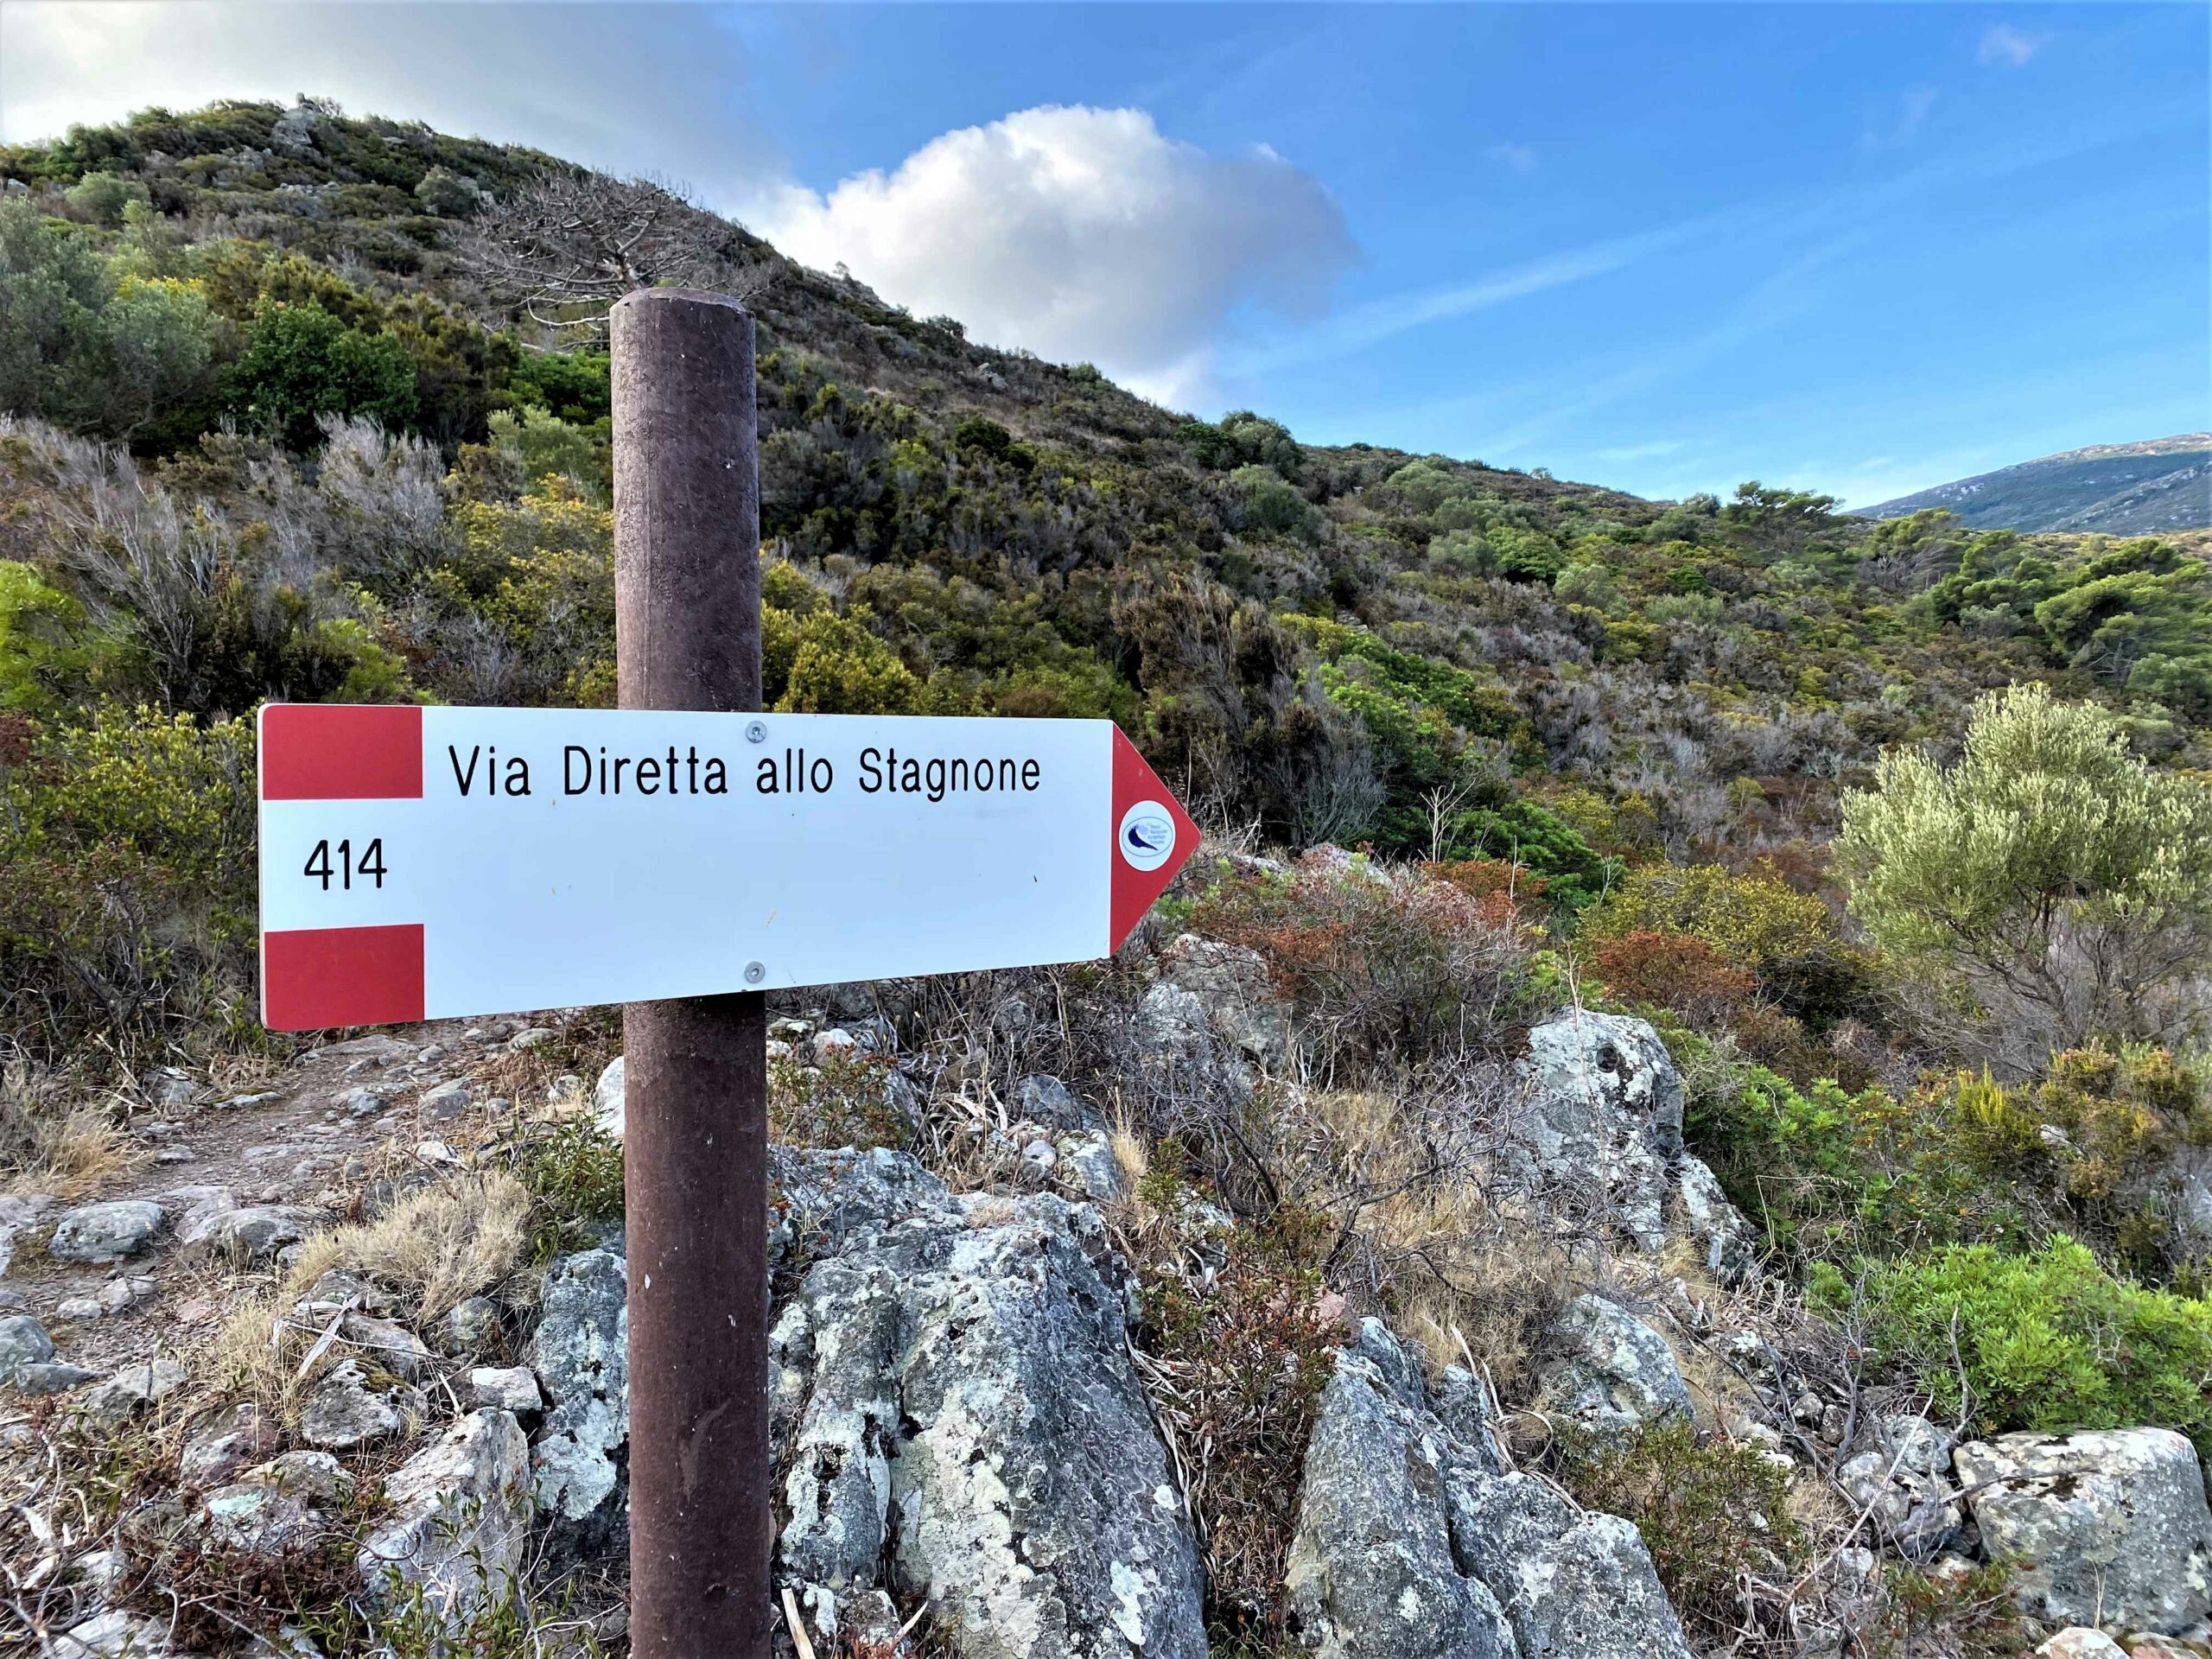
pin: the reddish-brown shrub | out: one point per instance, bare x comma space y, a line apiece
1676, 971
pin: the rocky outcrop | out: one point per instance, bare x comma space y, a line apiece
952, 1380
1230, 983
1602, 1122
1615, 1375
580, 1463
1902, 1483
461, 1518
1410, 1545
2104, 1528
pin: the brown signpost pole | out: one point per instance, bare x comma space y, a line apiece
687, 597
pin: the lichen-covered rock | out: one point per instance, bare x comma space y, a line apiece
1411, 1545
1576, 1584
2104, 1527
2079, 1642
1902, 1483
1604, 1114
342, 1412
1373, 1573
1615, 1375
280, 1508
580, 1466
114, 1635
101, 1233
1230, 983
460, 1516
610, 1100
1726, 1238
964, 1423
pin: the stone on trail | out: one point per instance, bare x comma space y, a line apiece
134, 1389
254, 1234
98, 1234
24, 1342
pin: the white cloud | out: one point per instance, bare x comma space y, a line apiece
1079, 233
1518, 157
2004, 45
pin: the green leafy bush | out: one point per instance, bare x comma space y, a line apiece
301, 362
2047, 1341
127, 879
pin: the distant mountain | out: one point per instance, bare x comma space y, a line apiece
2121, 489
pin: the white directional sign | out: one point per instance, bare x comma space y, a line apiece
419, 863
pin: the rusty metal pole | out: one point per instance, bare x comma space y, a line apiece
687, 602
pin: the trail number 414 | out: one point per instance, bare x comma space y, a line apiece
368, 868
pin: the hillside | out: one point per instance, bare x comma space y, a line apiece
2115, 489
1687, 1027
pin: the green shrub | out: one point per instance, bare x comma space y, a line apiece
127, 880
102, 197
1709, 1514
2047, 1341
301, 362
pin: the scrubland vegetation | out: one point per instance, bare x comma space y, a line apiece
1899, 833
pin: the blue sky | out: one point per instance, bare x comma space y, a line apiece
1666, 248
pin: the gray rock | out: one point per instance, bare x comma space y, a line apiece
1727, 1241
24, 1342
100, 1233
114, 1635
255, 1234
1575, 1584
529, 1038
125, 1292
1617, 1374
607, 1099
448, 1101
342, 1412
1044, 1099
361, 1103
77, 1309
1230, 983
965, 1426
1410, 1546
1902, 1483
390, 1345
579, 1464
513, 1388
2079, 1642
461, 1518
1604, 1116
1373, 1573
134, 1389
2104, 1527
280, 1507
51, 1376
227, 1446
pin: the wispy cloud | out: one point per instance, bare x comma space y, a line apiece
1520, 158
2005, 46
1899, 125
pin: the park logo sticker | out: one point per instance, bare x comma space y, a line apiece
1148, 836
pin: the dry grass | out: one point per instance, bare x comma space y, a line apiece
435, 1248
53, 1140
432, 1249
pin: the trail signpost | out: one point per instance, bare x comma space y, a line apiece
422, 863
684, 854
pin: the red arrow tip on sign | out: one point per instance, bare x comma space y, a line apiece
1152, 838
